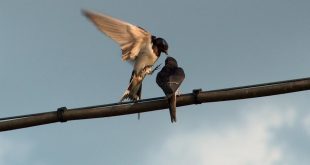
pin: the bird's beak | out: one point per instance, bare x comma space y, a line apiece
166, 52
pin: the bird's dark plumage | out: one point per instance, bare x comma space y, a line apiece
169, 80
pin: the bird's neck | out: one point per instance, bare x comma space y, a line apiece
156, 50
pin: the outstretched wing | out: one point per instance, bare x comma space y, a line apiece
131, 38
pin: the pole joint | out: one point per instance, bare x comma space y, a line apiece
60, 114
196, 93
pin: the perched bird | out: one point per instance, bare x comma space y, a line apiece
138, 47
169, 80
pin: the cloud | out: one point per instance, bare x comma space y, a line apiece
306, 123
13, 151
244, 142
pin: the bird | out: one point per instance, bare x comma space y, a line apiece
139, 47
169, 80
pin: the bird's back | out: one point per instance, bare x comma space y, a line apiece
169, 79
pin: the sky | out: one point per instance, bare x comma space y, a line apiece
52, 56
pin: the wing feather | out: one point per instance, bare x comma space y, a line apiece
131, 38
176, 79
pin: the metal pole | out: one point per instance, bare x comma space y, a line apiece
117, 109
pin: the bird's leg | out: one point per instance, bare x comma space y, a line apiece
147, 70
136, 98
156, 68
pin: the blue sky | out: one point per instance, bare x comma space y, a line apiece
51, 56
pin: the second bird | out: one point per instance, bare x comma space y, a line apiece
169, 80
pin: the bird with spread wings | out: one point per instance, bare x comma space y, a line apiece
138, 46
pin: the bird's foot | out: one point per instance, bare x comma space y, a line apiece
148, 70
136, 98
145, 71
156, 68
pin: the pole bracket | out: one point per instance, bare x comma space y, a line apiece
60, 114
196, 93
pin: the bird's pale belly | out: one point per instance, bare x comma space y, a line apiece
144, 60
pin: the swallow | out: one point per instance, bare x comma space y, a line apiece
169, 80
139, 47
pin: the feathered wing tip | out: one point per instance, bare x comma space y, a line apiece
130, 95
172, 108
125, 95
133, 91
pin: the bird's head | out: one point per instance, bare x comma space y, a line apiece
170, 61
162, 45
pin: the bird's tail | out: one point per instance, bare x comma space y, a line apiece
172, 108
133, 92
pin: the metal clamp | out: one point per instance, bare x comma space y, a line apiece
196, 93
60, 114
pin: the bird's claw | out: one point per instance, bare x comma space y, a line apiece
156, 68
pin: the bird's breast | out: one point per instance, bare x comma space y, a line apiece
145, 58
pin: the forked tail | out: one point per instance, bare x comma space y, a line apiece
172, 108
133, 91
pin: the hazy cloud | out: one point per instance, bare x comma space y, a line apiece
242, 143
14, 151
306, 123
